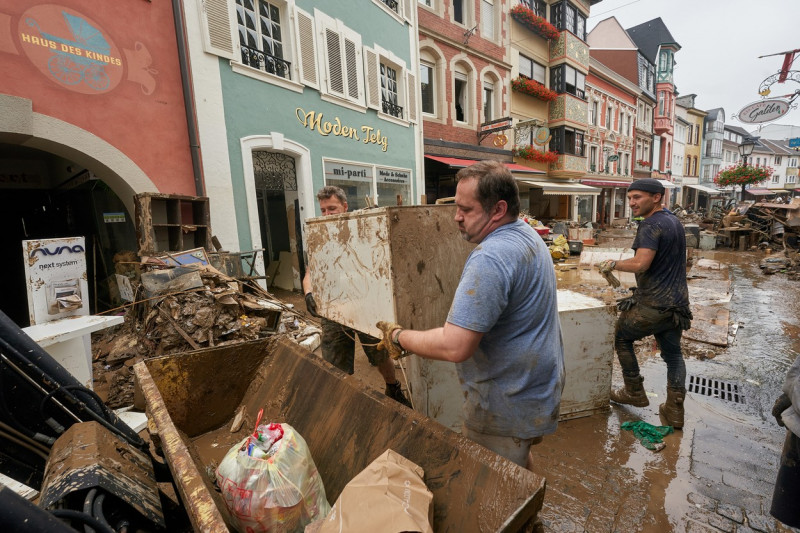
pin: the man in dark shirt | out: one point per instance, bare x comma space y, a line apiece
660, 304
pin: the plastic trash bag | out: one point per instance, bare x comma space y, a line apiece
272, 484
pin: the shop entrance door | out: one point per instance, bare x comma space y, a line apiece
276, 191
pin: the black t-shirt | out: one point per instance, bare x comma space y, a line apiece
663, 285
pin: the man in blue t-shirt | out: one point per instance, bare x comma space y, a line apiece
502, 331
660, 304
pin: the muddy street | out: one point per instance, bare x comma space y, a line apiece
716, 474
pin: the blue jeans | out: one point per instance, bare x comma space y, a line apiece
641, 321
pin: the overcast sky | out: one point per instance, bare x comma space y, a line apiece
720, 44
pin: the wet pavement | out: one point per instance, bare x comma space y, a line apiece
718, 473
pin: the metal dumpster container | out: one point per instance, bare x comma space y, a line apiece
192, 398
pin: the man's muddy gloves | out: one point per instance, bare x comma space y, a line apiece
388, 342
781, 404
311, 305
605, 268
682, 317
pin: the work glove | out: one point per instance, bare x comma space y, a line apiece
311, 305
781, 404
605, 268
394, 350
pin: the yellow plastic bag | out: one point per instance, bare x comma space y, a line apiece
282, 492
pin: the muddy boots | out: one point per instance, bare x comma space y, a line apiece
671, 411
394, 392
632, 393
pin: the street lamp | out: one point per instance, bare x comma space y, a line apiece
746, 150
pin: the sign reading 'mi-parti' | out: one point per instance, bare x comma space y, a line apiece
764, 111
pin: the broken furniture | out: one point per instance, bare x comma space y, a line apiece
171, 223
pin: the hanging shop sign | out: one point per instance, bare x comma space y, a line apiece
794, 143
347, 172
394, 176
764, 111
315, 121
55, 270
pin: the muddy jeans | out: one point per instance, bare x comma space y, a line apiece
339, 346
641, 321
514, 449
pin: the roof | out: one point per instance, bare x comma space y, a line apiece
778, 147
713, 113
649, 35
736, 129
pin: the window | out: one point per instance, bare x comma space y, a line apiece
428, 3
341, 60
776, 178
389, 99
593, 159
537, 6
792, 162
488, 19
459, 14
567, 141
428, 88
488, 101
593, 110
791, 179
697, 134
460, 97
565, 16
661, 98
609, 124
777, 160
261, 38
647, 74
565, 79
528, 68
626, 164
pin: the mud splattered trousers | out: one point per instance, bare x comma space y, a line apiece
641, 321
786, 498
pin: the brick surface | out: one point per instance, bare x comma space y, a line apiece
732, 512
702, 502
760, 522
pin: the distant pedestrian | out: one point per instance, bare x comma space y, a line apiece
786, 497
660, 304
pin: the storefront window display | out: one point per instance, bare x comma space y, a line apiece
584, 208
359, 181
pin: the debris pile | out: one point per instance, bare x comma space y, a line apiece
787, 262
177, 309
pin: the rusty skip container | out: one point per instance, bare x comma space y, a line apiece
193, 397
399, 264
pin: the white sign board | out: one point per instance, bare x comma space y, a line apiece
763, 111
394, 175
55, 270
347, 172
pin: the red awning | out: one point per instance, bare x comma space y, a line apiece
760, 192
596, 183
461, 163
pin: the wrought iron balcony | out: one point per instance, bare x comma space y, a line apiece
255, 58
392, 109
391, 4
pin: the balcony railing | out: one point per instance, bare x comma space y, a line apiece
255, 58
391, 4
392, 109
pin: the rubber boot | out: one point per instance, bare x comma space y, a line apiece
632, 393
671, 411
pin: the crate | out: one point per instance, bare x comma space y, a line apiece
171, 223
399, 264
588, 329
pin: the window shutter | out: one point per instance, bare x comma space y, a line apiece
351, 64
306, 58
334, 55
372, 70
218, 28
487, 19
411, 93
408, 10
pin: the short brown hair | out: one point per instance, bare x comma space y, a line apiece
332, 190
495, 183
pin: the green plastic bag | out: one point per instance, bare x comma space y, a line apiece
651, 437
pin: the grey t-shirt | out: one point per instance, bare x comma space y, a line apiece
512, 383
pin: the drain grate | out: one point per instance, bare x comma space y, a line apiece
716, 388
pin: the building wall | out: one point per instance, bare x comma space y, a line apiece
106, 89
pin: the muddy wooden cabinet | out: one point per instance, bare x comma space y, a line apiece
171, 223
399, 264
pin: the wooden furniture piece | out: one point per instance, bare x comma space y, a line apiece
171, 223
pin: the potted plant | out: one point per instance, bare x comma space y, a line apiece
643, 163
533, 88
525, 16
743, 174
532, 154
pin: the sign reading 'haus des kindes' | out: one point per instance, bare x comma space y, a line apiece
315, 121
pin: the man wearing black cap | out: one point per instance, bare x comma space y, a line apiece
660, 304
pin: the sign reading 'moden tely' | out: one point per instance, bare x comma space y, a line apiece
763, 111
314, 121
56, 273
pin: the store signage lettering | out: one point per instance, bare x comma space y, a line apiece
763, 111
389, 175
315, 122
77, 249
345, 172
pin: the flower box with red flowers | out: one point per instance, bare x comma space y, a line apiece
533, 88
743, 175
532, 154
525, 16
643, 163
